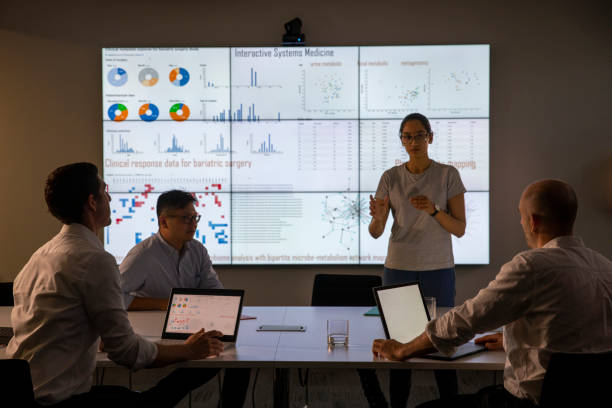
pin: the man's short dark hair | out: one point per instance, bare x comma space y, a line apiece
68, 188
416, 116
556, 202
174, 200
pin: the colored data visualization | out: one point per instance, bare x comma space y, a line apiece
179, 77
179, 112
133, 219
284, 145
117, 77
148, 77
148, 112
117, 112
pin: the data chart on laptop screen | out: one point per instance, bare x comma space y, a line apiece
282, 146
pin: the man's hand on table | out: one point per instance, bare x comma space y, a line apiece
204, 344
491, 341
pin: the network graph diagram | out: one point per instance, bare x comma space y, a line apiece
302, 134
343, 214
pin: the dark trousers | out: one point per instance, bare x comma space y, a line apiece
494, 396
441, 285
400, 382
167, 393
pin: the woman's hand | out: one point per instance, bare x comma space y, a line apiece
379, 208
422, 203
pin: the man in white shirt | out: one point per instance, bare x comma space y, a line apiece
172, 258
552, 298
68, 296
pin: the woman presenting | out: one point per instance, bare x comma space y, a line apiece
427, 203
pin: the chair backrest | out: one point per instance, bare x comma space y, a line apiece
344, 290
6, 294
16, 384
577, 380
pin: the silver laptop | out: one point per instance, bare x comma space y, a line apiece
404, 317
190, 310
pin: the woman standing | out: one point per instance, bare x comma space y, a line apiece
427, 203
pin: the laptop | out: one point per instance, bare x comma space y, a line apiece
190, 310
404, 317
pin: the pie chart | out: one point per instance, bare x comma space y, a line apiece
117, 76
117, 112
148, 77
179, 76
148, 112
179, 112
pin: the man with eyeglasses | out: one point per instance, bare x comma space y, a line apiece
169, 259
173, 259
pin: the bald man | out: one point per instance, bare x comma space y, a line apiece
555, 297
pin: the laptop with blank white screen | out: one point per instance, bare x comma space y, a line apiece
404, 316
190, 310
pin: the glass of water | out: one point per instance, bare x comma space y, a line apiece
337, 332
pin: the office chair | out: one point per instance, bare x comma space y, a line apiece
349, 290
577, 380
344, 290
6, 294
16, 385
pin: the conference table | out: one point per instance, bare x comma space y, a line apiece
283, 351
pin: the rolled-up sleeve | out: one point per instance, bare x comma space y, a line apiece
504, 300
104, 306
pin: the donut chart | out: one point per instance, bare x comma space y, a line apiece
148, 112
179, 76
179, 112
117, 112
148, 77
117, 76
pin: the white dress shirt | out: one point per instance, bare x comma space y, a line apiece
552, 299
66, 297
153, 267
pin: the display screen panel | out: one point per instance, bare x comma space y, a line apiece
282, 146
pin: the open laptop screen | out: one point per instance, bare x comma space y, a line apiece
190, 310
403, 312
404, 317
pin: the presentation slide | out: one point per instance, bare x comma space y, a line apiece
282, 146
437, 81
294, 83
313, 155
166, 155
150, 84
462, 143
134, 218
471, 248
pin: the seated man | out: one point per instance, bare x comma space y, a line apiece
552, 298
68, 296
173, 259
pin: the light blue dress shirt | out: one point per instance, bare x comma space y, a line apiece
153, 267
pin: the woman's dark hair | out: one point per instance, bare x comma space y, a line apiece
416, 116
174, 200
68, 189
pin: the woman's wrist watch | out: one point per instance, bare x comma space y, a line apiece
436, 210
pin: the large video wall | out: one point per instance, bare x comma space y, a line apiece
283, 146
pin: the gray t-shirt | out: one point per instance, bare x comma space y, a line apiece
418, 242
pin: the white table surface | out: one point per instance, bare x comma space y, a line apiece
300, 349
